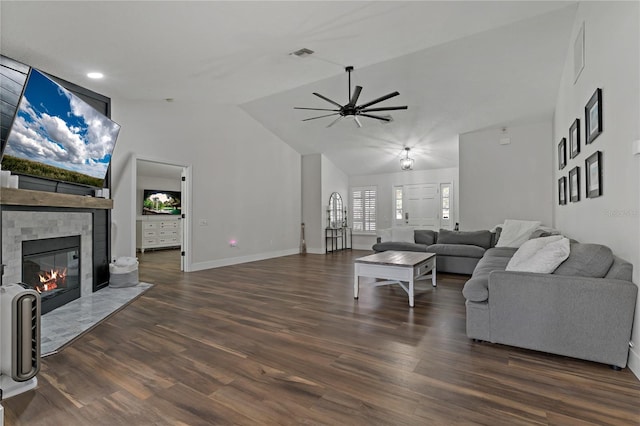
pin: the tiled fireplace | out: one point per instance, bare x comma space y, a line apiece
51, 266
36, 245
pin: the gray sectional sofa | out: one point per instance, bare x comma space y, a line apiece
584, 309
458, 251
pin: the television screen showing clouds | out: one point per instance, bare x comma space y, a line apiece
54, 127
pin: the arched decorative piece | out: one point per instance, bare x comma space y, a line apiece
336, 212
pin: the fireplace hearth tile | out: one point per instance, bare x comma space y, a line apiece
66, 323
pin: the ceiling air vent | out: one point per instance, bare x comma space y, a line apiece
301, 53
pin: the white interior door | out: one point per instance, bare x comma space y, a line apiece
420, 204
183, 228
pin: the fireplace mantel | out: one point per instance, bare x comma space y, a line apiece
27, 197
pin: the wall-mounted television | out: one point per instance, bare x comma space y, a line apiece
56, 135
161, 202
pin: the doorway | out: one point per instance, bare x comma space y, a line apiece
162, 193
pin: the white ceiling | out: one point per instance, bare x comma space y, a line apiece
459, 66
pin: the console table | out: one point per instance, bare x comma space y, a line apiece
337, 239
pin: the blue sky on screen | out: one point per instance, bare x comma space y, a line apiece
55, 127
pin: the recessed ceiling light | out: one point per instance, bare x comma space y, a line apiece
95, 75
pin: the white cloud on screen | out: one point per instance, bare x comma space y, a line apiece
49, 139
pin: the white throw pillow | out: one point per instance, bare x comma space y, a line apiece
542, 255
402, 234
516, 232
385, 235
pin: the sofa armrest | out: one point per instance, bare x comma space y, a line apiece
588, 318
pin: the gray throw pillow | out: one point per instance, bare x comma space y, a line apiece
495, 236
474, 238
586, 260
425, 236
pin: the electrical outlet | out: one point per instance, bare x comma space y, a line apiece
203, 222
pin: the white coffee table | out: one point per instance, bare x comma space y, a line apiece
398, 267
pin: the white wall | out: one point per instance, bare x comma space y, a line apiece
320, 178
246, 183
611, 63
385, 184
513, 181
312, 202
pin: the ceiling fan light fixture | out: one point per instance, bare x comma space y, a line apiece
352, 108
406, 163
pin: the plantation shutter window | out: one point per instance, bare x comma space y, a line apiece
363, 208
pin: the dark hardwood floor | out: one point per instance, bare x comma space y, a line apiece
282, 341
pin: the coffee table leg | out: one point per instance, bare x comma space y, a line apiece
411, 292
433, 274
356, 287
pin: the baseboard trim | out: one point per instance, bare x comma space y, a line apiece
312, 250
634, 362
211, 264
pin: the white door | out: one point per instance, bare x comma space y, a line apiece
184, 187
420, 204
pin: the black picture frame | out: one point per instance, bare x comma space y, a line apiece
562, 190
574, 184
593, 175
574, 139
593, 117
562, 154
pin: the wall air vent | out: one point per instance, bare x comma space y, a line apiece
301, 53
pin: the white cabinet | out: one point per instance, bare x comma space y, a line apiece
153, 233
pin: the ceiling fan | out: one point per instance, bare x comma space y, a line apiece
352, 109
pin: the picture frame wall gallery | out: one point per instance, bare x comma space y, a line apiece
569, 185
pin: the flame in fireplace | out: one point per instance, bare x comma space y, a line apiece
50, 280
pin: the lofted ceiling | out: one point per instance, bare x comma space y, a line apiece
459, 65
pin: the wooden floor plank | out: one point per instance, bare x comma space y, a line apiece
282, 341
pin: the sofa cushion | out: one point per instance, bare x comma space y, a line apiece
399, 246
620, 270
587, 260
474, 238
477, 288
458, 250
425, 236
541, 255
402, 234
516, 232
501, 251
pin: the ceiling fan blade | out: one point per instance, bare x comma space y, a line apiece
327, 99
335, 121
317, 109
380, 99
321, 116
356, 95
355, 118
377, 117
384, 108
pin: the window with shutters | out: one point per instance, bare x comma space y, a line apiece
398, 212
363, 209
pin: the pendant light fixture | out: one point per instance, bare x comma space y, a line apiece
406, 163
